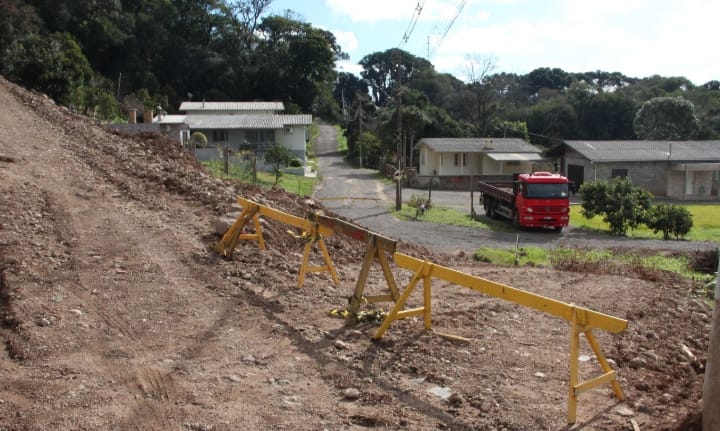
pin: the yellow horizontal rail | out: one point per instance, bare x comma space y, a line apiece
584, 316
284, 217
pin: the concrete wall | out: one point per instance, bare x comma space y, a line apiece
662, 179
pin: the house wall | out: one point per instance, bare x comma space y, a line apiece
294, 138
658, 178
693, 184
443, 164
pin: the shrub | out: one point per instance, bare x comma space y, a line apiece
295, 163
670, 220
199, 139
622, 205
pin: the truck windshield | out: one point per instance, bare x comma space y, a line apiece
546, 191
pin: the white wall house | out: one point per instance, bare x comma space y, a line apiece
245, 128
475, 156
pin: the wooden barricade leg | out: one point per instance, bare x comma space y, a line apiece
609, 373
427, 315
575, 387
388, 275
397, 312
574, 359
312, 237
356, 298
227, 244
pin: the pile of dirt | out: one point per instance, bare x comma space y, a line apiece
117, 314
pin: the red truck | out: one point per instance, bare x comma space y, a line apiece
538, 199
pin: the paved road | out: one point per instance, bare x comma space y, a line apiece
357, 194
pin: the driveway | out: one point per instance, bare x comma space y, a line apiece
359, 195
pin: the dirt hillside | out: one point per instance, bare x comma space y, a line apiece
116, 314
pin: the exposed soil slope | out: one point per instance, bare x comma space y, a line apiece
116, 314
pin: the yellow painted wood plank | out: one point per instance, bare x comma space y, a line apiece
585, 316
597, 381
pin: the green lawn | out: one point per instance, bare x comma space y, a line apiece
292, 183
706, 224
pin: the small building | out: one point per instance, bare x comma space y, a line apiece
451, 162
684, 170
246, 129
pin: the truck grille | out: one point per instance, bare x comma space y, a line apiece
546, 210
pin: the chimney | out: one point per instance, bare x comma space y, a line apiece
148, 116
132, 116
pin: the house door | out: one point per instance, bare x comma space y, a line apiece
576, 174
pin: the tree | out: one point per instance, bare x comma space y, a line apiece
622, 205
670, 220
276, 156
661, 118
54, 65
381, 71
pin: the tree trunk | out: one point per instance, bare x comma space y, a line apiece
711, 387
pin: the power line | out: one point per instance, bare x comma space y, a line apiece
413, 22
447, 26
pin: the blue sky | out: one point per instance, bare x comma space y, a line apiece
638, 38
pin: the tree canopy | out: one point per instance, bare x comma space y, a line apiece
102, 56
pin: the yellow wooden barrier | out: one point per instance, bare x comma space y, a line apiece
312, 232
377, 247
582, 320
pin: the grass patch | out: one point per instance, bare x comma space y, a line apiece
654, 267
706, 224
523, 256
342, 141
297, 184
443, 215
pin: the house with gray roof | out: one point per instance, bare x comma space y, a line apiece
453, 163
685, 170
246, 129
475, 156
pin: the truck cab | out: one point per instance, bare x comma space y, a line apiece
542, 199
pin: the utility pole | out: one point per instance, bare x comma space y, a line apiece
398, 185
360, 119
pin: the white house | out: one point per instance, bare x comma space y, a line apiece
246, 128
475, 156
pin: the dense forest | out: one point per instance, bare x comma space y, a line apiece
101, 57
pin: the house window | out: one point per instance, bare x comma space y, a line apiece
219, 135
619, 173
460, 158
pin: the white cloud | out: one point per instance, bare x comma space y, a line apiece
349, 67
635, 37
347, 40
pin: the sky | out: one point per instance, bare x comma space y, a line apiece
638, 38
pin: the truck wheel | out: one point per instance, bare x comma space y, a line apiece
558, 229
516, 220
491, 210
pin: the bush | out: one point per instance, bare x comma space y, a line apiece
622, 205
295, 163
199, 139
670, 220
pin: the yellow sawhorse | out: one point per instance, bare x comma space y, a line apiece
312, 233
377, 248
582, 319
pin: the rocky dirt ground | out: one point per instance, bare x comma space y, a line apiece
117, 314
